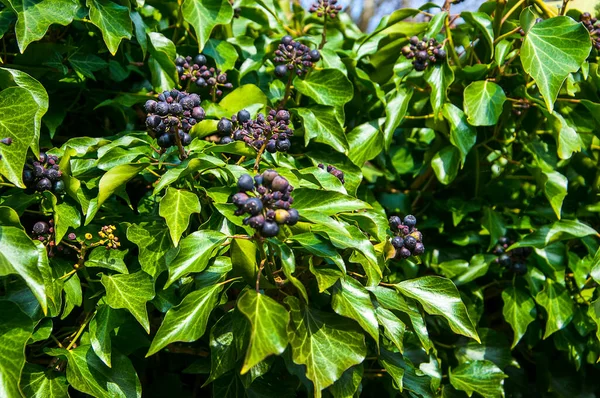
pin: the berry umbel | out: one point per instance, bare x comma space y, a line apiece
334, 172
514, 260
44, 174
407, 240
326, 8
591, 25
272, 131
43, 231
174, 114
267, 201
196, 70
294, 56
424, 52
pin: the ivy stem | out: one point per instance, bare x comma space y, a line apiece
324, 32
68, 274
451, 43
288, 91
511, 11
263, 257
6, 184
500, 4
88, 318
237, 278
548, 12
563, 9
182, 153
512, 32
259, 155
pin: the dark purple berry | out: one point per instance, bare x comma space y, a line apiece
269, 229
280, 184
281, 71
410, 221
41, 227
150, 106
224, 126
253, 206
245, 183
397, 242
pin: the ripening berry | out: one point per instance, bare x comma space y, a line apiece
282, 216
150, 106
419, 249
226, 140
164, 141
410, 242
281, 71
519, 268
243, 116
294, 217
283, 145
403, 253
283, 115
395, 222
505, 260
280, 184
269, 176
410, 221
245, 183
200, 60
72, 236
40, 228
44, 185
253, 206
269, 229
287, 40
314, 55
239, 199
255, 222
397, 242
224, 126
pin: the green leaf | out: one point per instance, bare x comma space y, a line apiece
19, 256
17, 121
558, 304
567, 139
393, 327
7, 18
552, 49
483, 101
328, 87
365, 142
395, 110
101, 326
405, 375
131, 292
153, 242
204, 15
288, 265
519, 311
462, 136
594, 313
162, 62
350, 299
248, 97
187, 321
87, 64
320, 123
445, 164
439, 296
348, 384
326, 203
439, 79
65, 217
268, 322
140, 31
108, 259
222, 52
223, 350
482, 377
325, 343
40, 382
34, 19
88, 374
176, 207
15, 331
483, 23
560, 230
493, 223
194, 252
554, 186
113, 21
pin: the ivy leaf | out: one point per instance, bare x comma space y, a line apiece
15, 331
222, 52
162, 62
395, 110
321, 124
405, 375
393, 327
87, 64
482, 22
248, 96
482, 377
365, 142
65, 217
483, 102
109, 259
548, 234
113, 21
555, 186
288, 265
325, 343
462, 136
187, 321
223, 352
19, 256
594, 313
519, 311
348, 384
17, 121
153, 243
268, 320
351, 300
204, 15
131, 292
439, 296
558, 304
328, 87
567, 139
493, 223
39, 382
101, 326
194, 252
445, 164
176, 207
88, 374
7, 18
439, 79
33, 21
326, 202
551, 50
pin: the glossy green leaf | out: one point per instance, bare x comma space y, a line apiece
153, 242
352, 300
204, 15
328, 87
483, 23
347, 385
560, 230
40, 382
222, 52
365, 142
552, 49
15, 331
519, 311
558, 305
445, 164
108, 259
162, 62
482, 377
395, 110
113, 21
393, 327
176, 207
439, 296
194, 252
131, 292
268, 322
65, 217
462, 135
483, 102
439, 79
187, 321
325, 343
321, 125
328, 203
102, 325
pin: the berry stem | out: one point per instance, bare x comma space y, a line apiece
213, 93
182, 153
288, 91
512, 32
324, 32
451, 48
259, 156
88, 318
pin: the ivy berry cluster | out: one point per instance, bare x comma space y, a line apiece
44, 232
514, 260
174, 112
590, 23
44, 174
408, 240
266, 199
197, 71
293, 55
326, 7
334, 172
424, 52
272, 131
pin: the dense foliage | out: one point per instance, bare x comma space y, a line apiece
247, 198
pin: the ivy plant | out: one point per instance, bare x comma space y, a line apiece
248, 198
